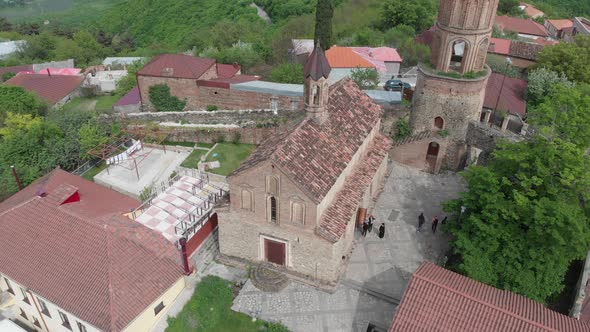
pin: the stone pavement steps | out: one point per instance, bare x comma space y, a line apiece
370, 291
206, 253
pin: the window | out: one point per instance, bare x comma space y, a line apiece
273, 209
439, 122
25, 297
44, 308
36, 322
10, 290
297, 212
64, 320
247, 200
272, 185
23, 314
294, 104
274, 103
81, 327
316, 95
158, 308
459, 51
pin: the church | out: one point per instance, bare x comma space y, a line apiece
295, 201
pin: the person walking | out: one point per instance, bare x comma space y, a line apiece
434, 224
421, 221
370, 224
365, 227
444, 221
382, 230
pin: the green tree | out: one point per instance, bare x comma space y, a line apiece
323, 23
14, 99
365, 78
564, 113
163, 101
83, 48
571, 59
127, 83
8, 75
418, 14
523, 221
287, 73
541, 83
91, 135
414, 53
39, 47
399, 35
509, 7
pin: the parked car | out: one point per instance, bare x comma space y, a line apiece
396, 85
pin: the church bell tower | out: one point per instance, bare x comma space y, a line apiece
316, 86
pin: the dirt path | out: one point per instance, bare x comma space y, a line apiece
261, 13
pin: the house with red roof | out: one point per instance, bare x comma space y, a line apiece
437, 299
343, 60
520, 53
525, 28
504, 103
581, 26
530, 10
558, 28
70, 259
55, 90
295, 201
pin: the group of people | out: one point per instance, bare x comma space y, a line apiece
367, 227
434, 224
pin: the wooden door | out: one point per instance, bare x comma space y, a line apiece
274, 251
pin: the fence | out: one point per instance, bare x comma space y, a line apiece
86, 167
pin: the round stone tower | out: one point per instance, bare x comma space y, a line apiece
450, 90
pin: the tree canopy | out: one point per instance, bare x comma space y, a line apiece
163, 101
365, 78
571, 59
323, 23
16, 100
525, 219
419, 14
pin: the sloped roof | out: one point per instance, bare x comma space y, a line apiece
531, 10
378, 56
183, 66
437, 299
317, 65
499, 46
524, 50
50, 88
131, 98
313, 156
521, 25
561, 24
84, 256
15, 69
512, 94
345, 57
227, 71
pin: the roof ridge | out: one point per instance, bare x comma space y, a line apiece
473, 298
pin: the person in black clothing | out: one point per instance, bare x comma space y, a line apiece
434, 224
421, 221
365, 227
382, 230
370, 224
444, 221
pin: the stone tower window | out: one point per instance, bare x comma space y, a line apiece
459, 51
316, 95
247, 203
439, 123
273, 209
272, 185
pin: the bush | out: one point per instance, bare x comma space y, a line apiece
7, 76
236, 138
287, 73
365, 78
403, 129
443, 133
211, 108
163, 101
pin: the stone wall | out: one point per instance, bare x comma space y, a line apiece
486, 138
207, 135
242, 118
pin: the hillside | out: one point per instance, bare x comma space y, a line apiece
170, 22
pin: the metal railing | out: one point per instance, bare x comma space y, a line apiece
86, 167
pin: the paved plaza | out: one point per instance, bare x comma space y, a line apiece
379, 269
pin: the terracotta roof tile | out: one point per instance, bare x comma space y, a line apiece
512, 98
227, 71
500, 46
52, 89
521, 25
561, 24
314, 155
524, 50
84, 256
15, 69
346, 57
182, 66
437, 299
334, 221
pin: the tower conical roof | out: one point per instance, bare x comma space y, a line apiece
317, 65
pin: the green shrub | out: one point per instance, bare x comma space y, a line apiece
403, 129
365, 78
211, 108
163, 101
7, 76
287, 73
444, 133
236, 138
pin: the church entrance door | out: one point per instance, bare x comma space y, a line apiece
274, 251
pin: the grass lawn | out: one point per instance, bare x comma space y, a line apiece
209, 309
105, 103
91, 173
192, 161
205, 145
230, 156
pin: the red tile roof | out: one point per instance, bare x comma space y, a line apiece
531, 11
84, 256
227, 71
182, 66
512, 98
346, 57
521, 25
334, 221
437, 299
15, 69
131, 98
500, 46
314, 155
561, 24
52, 89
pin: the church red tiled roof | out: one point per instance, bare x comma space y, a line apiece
437, 299
312, 155
521, 25
65, 238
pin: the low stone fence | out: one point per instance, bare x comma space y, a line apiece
242, 118
216, 135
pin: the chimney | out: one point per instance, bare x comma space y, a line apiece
186, 266
48, 72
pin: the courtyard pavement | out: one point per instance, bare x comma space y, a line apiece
378, 270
